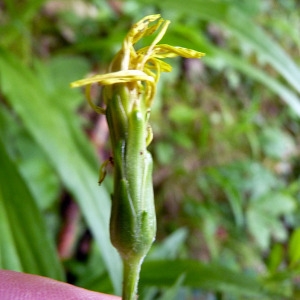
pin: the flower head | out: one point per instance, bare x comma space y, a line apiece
140, 67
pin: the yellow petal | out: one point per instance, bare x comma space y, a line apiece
114, 77
157, 64
140, 29
165, 50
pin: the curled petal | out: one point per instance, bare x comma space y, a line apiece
141, 29
148, 54
155, 64
153, 28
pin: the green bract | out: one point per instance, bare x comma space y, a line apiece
128, 92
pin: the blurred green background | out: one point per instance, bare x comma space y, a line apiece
226, 147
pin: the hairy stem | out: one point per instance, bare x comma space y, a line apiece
132, 267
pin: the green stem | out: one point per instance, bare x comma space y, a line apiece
131, 273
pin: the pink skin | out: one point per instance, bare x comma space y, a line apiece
20, 286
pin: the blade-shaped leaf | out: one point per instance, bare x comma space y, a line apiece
206, 276
57, 131
24, 241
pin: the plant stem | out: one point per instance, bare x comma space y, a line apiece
131, 271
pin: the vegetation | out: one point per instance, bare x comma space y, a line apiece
226, 158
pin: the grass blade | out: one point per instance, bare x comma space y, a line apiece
52, 124
23, 230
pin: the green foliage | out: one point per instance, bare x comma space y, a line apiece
294, 249
29, 248
210, 277
226, 140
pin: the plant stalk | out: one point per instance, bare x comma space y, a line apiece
131, 273
128, 93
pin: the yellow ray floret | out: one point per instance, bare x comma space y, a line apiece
144, 65
114, 77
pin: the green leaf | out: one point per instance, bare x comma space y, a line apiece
56, 129
24, 241
277, 144
173, 290
294, 247
205, 276
33, 165
275, 258
183, 114
263, 217
229, 180
170, 247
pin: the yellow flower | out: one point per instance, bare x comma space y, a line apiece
141, 67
